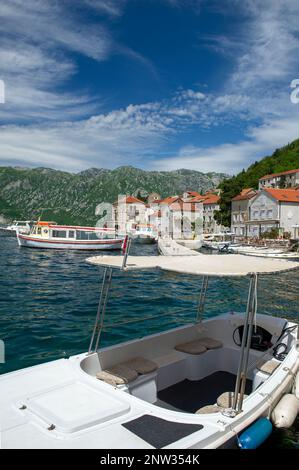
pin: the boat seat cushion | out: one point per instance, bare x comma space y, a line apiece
141, 365
208, 409
117, 375
193, 347
226, 399
268, 367
210, 343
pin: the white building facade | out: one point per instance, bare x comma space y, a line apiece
285, 179
240, 212
274, 208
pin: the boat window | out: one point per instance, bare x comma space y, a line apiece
59, 233
71, 234
39, 230
81, 235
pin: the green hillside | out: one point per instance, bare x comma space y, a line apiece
286, 158
72, 198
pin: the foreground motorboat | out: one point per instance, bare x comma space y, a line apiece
18, 226
193, 387
68, 237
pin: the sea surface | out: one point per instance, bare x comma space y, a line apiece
48, 302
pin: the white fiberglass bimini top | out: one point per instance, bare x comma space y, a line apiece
201, 265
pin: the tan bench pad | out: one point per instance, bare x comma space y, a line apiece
210, 343
193, 347
117, 375
226, 399
141, 365
268, 367
208, 409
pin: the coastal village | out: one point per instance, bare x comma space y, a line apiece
270, 211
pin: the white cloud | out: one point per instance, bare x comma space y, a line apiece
233, 157
110, 7
39, 38
35, 58
267, 47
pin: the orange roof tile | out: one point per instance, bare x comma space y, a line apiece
193, 193
245, 194
289, 172
212, 199
130, 200
133, 200
284, 195
170, 200
246, 191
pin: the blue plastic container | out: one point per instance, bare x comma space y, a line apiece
256, 434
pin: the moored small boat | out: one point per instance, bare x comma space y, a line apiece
217, 241
144, 234
21, 226
70, 237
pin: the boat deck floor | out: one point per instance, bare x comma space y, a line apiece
189, 395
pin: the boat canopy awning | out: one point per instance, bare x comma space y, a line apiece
233, 265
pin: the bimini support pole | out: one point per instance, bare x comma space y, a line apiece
126, 248
99, 321
202, 299
245, 346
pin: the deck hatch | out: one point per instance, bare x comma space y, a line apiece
159, 432
75, 406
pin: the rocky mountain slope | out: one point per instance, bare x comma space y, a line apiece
72, 198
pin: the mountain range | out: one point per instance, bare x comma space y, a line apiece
72, 198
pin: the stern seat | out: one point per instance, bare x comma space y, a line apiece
199, 346
127, 372
268, 367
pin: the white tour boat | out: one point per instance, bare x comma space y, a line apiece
18, 226
193, 387
68, 237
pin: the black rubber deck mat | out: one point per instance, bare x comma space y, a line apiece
159, 432
190, 395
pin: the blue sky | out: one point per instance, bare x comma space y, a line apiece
158, 84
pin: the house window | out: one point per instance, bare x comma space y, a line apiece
255, 214
262, 214
270, 214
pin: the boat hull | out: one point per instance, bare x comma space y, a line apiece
5, 232
107, 244
144, 240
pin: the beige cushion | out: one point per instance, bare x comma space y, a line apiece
210, 343
208, 409
141, 365
268, 367
193, 347
110, 378
226, 399
117, 375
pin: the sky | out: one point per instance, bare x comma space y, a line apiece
156, 84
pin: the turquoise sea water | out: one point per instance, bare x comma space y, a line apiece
48, 302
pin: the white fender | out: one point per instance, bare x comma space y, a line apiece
295, 389
285, 412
